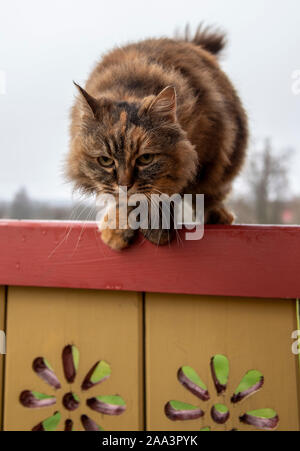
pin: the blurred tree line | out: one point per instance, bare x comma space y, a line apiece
265, 196
23, 207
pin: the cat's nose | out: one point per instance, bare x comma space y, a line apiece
125, 181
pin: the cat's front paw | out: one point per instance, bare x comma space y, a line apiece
159, 237
219, 215
117, 239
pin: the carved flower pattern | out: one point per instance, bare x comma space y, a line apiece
252, 382
107, 405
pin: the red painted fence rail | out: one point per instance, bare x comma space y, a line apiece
242, 261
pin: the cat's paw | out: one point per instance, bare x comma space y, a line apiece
219, 215
117, 239
159, 237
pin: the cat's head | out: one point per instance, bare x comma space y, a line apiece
139, 145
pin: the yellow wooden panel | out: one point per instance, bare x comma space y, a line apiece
2, 325
190, 330
103, 325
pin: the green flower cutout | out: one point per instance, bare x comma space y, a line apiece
107, 405
252, 382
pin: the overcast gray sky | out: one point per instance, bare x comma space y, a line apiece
46, 44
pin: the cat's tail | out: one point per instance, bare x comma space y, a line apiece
212, 40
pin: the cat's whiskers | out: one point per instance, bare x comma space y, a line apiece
92, 210
157, 204
69, 229
178, 237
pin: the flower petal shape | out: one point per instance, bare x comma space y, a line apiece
188, 377
220, 413
265, 419
220, 372
108, 405
89, 424
35, 400
69, 426
97, 374
251, 383
180, 411
70, 359
50, 424
43, 369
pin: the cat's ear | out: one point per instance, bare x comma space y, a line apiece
88, 101
165, 104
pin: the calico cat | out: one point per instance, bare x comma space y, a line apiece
159, 116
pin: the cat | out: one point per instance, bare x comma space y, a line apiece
159, 116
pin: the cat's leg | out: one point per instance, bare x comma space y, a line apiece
118, 239
113, 236
159, 237
218, 214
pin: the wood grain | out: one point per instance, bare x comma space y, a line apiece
230, 261
190, 330
103, 325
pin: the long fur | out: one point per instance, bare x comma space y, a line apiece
196, 128
210, 39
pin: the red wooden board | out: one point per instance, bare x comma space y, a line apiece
237, 261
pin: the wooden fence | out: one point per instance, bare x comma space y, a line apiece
172, 338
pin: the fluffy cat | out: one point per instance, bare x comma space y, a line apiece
159, 116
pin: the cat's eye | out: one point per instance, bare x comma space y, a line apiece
106, 162
145, 159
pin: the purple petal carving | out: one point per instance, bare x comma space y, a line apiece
265, 419
178, 411
50, 424
69, 425
250, 384
70, 359
42, 368
108, 405
34, 400
89, 425
219, 365
198, 389
97, 374
220, 414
